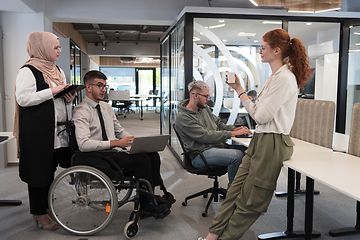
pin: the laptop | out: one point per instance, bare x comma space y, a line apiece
147, 144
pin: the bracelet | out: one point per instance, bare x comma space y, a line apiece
241, 94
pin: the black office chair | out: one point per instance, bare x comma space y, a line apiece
212, 171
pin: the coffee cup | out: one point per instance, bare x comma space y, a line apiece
230, 77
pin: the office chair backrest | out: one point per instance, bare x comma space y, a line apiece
354, 139
187, 161
314, 121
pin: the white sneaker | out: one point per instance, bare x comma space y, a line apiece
200, 238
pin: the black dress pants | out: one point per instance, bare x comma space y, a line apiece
142, 165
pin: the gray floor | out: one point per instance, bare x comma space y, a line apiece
331, 209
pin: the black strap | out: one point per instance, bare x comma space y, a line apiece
104, 136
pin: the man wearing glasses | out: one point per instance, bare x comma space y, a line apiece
201, 130
96, 128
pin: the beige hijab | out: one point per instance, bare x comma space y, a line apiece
40, 47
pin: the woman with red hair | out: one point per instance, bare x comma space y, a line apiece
274, 111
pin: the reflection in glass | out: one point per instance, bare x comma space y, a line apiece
353, 90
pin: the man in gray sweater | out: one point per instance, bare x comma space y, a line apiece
201, 130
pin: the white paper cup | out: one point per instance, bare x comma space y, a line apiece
231, 77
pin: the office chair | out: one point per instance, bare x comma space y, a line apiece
212, 171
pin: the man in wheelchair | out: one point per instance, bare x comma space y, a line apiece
97, 128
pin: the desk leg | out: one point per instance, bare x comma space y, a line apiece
298, 191
10, 203
348, 230
141, 111
309, 210
289, 233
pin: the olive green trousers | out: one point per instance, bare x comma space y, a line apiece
252, 189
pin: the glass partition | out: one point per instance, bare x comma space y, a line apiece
222, 45
322, 43
353, 88
165, 87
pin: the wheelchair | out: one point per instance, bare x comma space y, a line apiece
84, 199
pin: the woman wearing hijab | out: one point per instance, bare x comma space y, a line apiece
40, 148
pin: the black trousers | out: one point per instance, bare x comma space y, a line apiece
38, 196
142, 165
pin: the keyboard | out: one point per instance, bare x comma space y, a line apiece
244, 136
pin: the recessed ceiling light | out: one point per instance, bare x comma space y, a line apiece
221, 21
272, 22
244, 34
357, 44
256, 40
217, 26
308, 23
294, 11
252, 1
327, 10
224, 40
357, 33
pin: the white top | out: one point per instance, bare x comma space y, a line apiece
27, 96
274, 109
88, 129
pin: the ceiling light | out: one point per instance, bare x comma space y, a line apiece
224, 40
357, 44
221, 21
252, 1
308, 23
217, 26
272, 22
244, 34
357, 33
256, 40
327, 10
294, 11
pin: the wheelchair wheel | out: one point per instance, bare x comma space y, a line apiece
131, 229
83, 200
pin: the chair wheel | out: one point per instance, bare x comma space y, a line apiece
204, 214
184, 204
131, 229
205, 195
124, 116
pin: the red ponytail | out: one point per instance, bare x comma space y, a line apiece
293, 52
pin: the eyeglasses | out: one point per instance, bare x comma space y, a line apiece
58, 49
205, 96
261, 49
100, 86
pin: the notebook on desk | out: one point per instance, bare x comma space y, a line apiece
147, 144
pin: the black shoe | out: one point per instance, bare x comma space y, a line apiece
166, 199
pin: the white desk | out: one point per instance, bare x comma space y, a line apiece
8, 202
339, 171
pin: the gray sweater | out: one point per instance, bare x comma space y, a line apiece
200, 130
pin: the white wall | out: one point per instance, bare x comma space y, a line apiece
93, 65
16, 27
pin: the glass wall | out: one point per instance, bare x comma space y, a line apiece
322, 44
165, 87
75, 67
120, 79
222, 45
353, 88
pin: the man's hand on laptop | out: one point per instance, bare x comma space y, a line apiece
122, 143
240, 131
